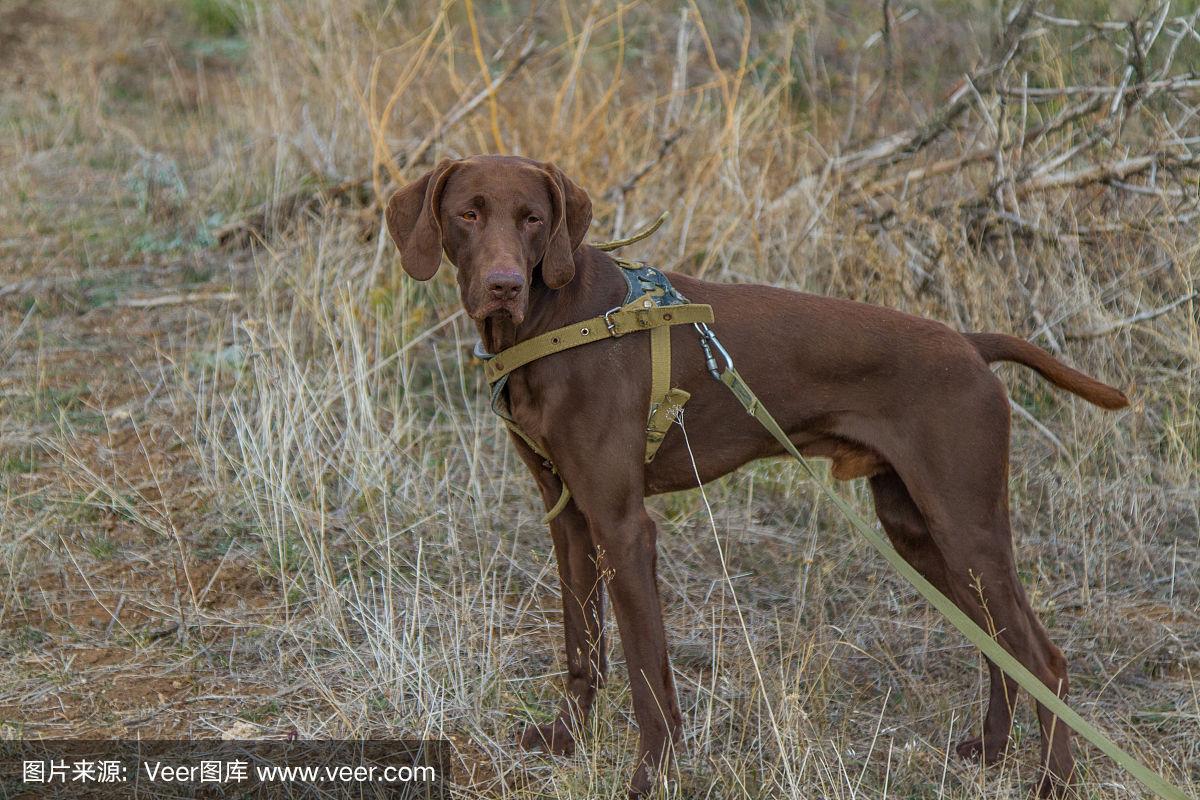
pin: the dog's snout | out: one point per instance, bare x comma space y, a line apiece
504, 285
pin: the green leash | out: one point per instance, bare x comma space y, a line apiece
990, 647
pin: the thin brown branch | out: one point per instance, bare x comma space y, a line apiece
461, 110
179, 299
902, 145
1097, 173
619, 192
265, 216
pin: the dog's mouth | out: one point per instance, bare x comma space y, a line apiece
498, 329
513, 309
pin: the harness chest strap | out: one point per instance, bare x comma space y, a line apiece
565, 495
665, 402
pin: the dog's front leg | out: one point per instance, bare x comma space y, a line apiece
583, 614
583, 621
625, 539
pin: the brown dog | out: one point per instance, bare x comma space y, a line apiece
903, 401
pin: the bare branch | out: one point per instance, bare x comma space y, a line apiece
1143, 316
179, 299
1040, 428
266, 215
901, 145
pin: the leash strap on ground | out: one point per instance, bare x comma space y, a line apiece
988, 645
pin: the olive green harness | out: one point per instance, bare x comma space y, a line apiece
653, 305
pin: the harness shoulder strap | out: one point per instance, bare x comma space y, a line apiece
640, 315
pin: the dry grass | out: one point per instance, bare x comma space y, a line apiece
294, 512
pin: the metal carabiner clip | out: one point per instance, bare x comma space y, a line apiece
709, 340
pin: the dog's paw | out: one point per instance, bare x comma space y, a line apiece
1057, 783
553, 737
974, 749
642, 782
1051, 786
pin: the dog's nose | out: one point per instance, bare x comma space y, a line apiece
504, 285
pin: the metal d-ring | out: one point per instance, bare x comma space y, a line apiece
608, 323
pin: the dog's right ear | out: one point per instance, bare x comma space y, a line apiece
412, 220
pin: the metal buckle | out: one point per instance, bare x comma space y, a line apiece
608, 323
708, 340
482, 354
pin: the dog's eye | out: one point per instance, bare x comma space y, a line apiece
532, 220
469, 216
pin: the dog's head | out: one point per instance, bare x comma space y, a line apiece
503, 221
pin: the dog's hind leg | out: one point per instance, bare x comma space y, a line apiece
959, 481
984, 576
904, 525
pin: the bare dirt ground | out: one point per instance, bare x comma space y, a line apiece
110, 527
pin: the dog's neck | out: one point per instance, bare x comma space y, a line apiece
596, 287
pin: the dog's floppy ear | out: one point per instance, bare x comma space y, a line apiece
572, 216
412, 220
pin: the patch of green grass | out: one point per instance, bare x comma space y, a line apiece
33, 502
86, 421
64, 399
123, 507
1034, 398
78, 508
127, 91
155, 243
102, 548
263, 713
66, 403
216, 543
102, 290
215, 17
283, 556
193, 274
18, 464
108, 160
21, 639
231, 48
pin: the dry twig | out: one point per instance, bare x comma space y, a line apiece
1142, 316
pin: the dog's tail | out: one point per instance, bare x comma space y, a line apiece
1002, 347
